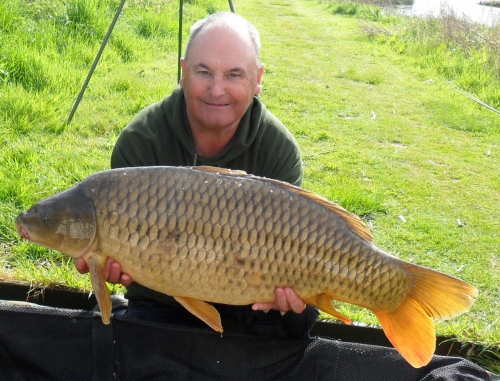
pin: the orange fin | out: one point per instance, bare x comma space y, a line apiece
202, 310
440, 295
434, 295
352, 221
325, 303
101, 291
411, 331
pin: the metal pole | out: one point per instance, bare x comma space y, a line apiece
179, 53
231, 5
94, 65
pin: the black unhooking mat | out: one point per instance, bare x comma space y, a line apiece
56, 344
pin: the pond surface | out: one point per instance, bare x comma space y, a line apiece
464, 8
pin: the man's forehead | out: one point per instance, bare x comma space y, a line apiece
231, 51
226, 28
230, 37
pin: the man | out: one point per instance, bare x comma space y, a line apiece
215, 118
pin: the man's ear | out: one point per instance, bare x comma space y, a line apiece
258, 87
183, 66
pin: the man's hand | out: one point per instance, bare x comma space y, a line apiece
286, 300
112, 271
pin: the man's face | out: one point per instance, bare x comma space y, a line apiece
219, 78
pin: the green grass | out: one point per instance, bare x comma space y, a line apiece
381, 133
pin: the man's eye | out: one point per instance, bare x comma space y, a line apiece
203, 72
234, 75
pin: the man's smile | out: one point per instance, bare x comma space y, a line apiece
216, 104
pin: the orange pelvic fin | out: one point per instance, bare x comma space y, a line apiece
202, 310
101, 291
325, 303
410, 327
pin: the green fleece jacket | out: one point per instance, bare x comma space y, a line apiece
160, 135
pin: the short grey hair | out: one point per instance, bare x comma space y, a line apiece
225, 19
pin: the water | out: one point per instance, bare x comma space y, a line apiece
469, 9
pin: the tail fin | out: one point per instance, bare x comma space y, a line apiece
410, 327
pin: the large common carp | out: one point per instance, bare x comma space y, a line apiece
206, 234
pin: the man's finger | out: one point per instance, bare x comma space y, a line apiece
115, 272
125, 280
281, 300
295, 302
264, 306
107, 269
81, 266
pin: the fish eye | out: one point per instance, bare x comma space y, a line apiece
45, 216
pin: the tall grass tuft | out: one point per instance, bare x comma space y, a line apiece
83, 19
353, 8
462, 51
24, 69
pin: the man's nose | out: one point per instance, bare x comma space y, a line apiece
217, 85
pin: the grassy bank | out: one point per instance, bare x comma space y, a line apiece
461, 51
386, 137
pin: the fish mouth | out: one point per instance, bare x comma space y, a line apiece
22, 231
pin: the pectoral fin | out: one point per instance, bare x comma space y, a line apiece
202, 310
324, 303
96, 267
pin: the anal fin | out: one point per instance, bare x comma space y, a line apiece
101, 291
202, 310
325, 303
410, 330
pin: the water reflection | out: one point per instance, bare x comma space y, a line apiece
470, 9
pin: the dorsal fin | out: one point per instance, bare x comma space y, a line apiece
223, 171
352, 221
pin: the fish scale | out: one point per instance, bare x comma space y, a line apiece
181, 211
207, 234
